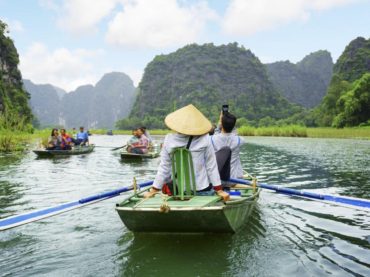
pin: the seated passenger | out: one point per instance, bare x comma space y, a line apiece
139, 143
82, 138
66, 140
227, 144
54, 141
191, 128
146, 133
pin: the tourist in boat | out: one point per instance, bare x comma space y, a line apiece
66, 140
146, 133
191, 128
139, 143
54, 141
226, 145
82, 138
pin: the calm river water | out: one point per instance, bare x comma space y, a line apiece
287, 236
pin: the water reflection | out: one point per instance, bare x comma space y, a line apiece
188, 255
286, 236
307, 164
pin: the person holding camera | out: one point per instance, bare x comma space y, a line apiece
226, 144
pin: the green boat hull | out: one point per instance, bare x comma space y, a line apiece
74, 151
208, 215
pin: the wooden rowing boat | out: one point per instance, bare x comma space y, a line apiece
150, 155
76, 150
194, 214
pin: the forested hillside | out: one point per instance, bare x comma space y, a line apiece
98, 106
306, 82
347, 102
14, 109
207, 76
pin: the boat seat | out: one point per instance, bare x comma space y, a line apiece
183, 176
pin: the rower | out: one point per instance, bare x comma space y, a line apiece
191, 128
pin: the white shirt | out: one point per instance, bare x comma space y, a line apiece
203, 156
234, 142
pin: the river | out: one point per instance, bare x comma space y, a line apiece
286, 236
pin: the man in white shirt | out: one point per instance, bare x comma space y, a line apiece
227, 139
191, 128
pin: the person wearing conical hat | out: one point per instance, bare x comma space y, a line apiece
191, 127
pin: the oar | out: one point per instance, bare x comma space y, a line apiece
17, 220
325, 197
118, 147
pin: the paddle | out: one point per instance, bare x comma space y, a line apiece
119, 147
324, 197
17, 220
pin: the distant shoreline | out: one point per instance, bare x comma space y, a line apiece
273, 131
19, 141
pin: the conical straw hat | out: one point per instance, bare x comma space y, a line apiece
188, 121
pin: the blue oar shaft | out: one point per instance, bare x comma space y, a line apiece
14, 221
326, 197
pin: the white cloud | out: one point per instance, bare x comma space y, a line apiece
13, 25
158, 23
246, 17
61, 67
82, 16
49, 4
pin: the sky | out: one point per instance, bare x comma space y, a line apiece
69, 43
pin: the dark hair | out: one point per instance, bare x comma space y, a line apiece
63, 129
52, 131
142, 129
228, 122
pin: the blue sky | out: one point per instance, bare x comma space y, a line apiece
74, 42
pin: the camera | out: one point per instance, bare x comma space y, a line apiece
225, 108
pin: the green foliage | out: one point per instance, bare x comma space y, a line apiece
13, 99
347, 100
354, 61
354, 106
207, 76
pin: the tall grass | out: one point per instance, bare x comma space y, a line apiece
327, 132
274, 131
15, 132
13, 140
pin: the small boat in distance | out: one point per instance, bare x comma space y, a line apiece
132, 156
193, 214
76, 150
110, 132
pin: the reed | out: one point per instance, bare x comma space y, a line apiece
274, 131
13, 140
353, 132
